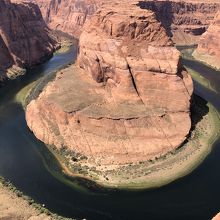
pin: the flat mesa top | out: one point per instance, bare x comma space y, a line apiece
73, 91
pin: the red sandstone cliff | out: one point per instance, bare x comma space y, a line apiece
208, 49
68, 16
185, 20
129, 101
24, 38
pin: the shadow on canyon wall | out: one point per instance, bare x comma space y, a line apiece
163, 10
175, 14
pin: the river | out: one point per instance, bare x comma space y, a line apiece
195, 196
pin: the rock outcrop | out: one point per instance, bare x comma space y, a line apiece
208, 50
130, 99
67, 16
185, 21
24, 38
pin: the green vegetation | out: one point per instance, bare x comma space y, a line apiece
72, 168
65, 46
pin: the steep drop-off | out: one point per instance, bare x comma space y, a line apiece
130, 99
25, 39
67, 16
208, 49
185, 20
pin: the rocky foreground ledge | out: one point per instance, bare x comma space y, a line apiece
126, 101
15, 205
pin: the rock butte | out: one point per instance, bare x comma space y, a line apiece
208, 49
128, 97
22, 26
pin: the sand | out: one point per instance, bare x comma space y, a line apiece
13, 207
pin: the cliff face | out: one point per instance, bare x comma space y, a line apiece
185, 21
24, 38
129, 100
67, 15
208, 49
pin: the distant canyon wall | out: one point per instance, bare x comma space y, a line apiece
25, 39
208, 50
67, 16
184, 21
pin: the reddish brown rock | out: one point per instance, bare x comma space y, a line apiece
24, 38
185, 20
208, 50
67, 16
130, 100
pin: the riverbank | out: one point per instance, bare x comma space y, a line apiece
187, 55
69, 166
152, 173
15, 205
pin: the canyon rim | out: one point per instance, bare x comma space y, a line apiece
126, 100
108, 101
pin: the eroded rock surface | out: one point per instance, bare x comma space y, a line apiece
24, 38
129, 101
208, 49
67, 16
184, 21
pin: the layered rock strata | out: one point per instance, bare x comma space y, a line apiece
24, 38
208, 50
67, 16
185, 20
130, 99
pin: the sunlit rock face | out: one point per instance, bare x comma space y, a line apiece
185, 21
208, 49
24, 38
67, 16
126, 100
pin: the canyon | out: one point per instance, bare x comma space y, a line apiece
67, 16
127, 100
128, 65
124, 114
118, 104
25, 39
184, 21
208, 50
